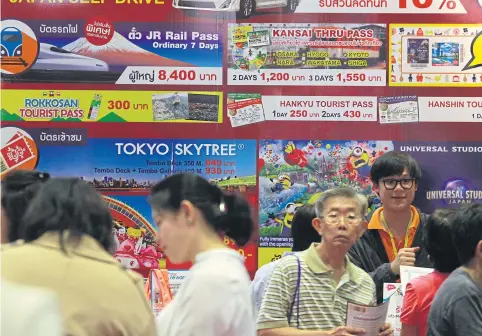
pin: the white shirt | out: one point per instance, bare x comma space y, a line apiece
214, 300
28, 311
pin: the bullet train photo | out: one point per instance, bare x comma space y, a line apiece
243, 8
52, 58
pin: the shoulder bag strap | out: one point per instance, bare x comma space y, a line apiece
296, 296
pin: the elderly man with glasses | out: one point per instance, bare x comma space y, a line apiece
395, 231
308, 293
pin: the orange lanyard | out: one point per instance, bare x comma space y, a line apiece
392, 240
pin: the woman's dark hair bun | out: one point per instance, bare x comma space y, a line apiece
19, 180
236, 220
43, 176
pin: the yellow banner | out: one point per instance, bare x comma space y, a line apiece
269, 254
112, 106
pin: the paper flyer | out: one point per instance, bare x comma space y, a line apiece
393, 292
370, 318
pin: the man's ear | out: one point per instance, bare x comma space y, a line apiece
187, 211
376, 188
316, 223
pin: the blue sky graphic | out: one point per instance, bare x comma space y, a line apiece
138, 203
102, 153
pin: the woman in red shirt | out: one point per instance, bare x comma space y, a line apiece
420, 292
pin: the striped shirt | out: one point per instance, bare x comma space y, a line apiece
322, 303
261, 280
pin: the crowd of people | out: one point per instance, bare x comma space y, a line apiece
59, 277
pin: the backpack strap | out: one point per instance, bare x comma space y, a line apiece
296, 296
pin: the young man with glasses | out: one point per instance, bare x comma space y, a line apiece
395, 231
308, 293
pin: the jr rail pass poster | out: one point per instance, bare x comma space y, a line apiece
450, 173
111, 106
435, 55
101, 51
297, 172
314, 54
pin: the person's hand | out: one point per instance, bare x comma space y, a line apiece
405, 257
386, 330
347, 331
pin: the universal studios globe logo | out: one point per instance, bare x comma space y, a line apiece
456, 192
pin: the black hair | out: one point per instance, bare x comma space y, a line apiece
302, 230
19, 187
69, 204
467, 231
226, 213
438, 240
392, 164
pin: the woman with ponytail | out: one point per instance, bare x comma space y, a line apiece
215, 299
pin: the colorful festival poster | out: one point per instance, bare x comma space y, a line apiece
435, 55
112, 106
134, 235
450, 173
314, 54
101, 51
297, 172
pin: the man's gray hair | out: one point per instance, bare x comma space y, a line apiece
341, 192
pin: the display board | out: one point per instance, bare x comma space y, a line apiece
125, 169
277, 100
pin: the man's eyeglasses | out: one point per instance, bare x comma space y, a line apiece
391, 184
350, 219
